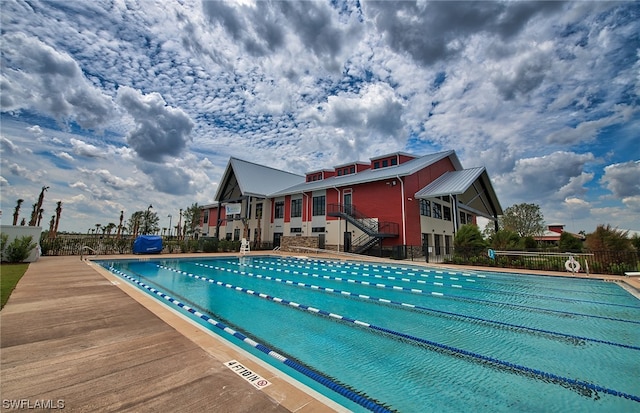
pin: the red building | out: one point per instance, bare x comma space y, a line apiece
393, 200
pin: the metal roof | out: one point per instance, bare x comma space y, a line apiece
255, 180
472, 186
371, 175
451, 183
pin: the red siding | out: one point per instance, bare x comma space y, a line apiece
287, 208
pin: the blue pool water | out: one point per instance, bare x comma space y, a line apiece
403, 338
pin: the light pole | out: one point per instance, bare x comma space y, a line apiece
169, 216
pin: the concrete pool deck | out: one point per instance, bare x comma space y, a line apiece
75, 333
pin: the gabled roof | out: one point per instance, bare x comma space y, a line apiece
242, 178
371, 175
451, 183
473, 188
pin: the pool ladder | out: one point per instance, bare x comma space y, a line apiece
84, 247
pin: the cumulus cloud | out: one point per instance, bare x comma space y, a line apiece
264, 27
623, 179
81, 148
167, 178
38, 77
159, 130
434, 31
558, 175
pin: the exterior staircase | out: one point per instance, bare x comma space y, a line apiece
373, 230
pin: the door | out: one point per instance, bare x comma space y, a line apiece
346, 198
276, 239
347, 241
321, 241
425, 246
436, 241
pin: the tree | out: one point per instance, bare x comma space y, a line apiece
608, 238
58, 213
504, 240
569, 243
37, 207
635, 241
16, 212
110, 226
143, 222
191, 219
524, 219
469, 239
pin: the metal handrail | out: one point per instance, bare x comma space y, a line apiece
84, 247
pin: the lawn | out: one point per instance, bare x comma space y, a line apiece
10, 274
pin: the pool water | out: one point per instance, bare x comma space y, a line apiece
416, 339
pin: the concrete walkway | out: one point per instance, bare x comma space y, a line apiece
72, 336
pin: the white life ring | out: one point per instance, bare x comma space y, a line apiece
572, 265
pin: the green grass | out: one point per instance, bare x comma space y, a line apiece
10, 274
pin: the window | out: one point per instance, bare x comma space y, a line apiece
317, 229
376, 165
296, 208
425, 207
318, 205
352, 170
279, 210
236, 234
447, 213
463, 218
394, 161
205, 217
339, 172
296, 230
385, 163
259, 210
437, 210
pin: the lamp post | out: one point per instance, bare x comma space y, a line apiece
169, 216
147, 221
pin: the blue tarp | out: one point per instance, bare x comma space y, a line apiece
147, 244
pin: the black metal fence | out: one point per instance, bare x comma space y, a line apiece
596, 262
96, 245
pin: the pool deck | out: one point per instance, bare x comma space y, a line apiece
72, 331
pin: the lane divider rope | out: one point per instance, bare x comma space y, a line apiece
393, 278
575, 383
406, 305
458, 297
336, 387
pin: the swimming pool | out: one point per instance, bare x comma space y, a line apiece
403, 338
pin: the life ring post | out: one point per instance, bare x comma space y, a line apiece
572, 265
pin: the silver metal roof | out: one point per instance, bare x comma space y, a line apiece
451, 183
370, 175
255, 180
472, 187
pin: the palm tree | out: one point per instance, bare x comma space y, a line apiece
16, 212
40, 212
37, 207
110, 226
58, 213
51, 224
34, 216
97, 228
120, 225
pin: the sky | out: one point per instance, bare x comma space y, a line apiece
118, 105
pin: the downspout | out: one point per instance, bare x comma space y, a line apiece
306, 215
404, 220
339, 220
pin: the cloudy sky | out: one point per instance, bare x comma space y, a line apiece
116, 105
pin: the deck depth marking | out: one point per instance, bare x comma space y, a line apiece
256, 380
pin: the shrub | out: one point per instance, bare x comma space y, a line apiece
19, 249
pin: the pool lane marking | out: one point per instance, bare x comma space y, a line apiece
419, 291
493, 276
439, 284
510, 366
401, 304
336, 387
